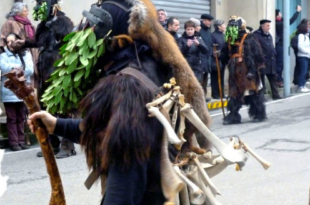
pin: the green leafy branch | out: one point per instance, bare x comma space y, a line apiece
231, 34
41, 14
74, 75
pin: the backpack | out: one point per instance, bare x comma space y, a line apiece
294, 43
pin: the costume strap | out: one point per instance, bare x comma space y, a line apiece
240, 45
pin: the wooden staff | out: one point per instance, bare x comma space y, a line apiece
16, 82
219, 76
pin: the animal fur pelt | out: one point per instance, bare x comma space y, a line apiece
143, 25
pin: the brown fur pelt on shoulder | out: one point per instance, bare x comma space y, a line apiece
143, 25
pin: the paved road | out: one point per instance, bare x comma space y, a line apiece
283, 140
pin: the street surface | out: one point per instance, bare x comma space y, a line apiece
283, 140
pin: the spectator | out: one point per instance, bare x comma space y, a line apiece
192, 46
162, 17
279, 42
205, 33
294, 45
15, 109
197, 24
18, 22
173, 27
218, 38
303, 56
265, 39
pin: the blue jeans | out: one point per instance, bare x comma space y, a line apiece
303, 67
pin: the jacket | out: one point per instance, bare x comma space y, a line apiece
269, 51
207, 39
280, 26
192, 54
303, 45
8, 61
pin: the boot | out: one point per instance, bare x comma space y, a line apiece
66, 149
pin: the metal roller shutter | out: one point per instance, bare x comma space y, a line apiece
183, 9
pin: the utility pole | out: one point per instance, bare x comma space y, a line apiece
286, 48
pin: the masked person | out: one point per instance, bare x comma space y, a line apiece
122, 143
245, 63
54, 26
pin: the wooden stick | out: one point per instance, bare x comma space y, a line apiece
17, 83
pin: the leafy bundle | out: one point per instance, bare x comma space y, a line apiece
231, 34
73, 76
41, 14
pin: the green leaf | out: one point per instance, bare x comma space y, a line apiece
62, 72
57, 90
92, 54
69, 36
63, 47
78, 76
91, 39
59, 63
74, 98
77, 84
99, 42
76, 37
83, 48
71, 58
101, 50
66, 81
80, 92
84, 37
70, 46
62, 103
84, 61
58, 98
66, 92
86, 53
72, 67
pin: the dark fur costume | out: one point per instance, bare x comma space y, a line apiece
244, 75
119, 137
49, 37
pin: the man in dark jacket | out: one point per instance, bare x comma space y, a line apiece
173, 25
218, 39
279, 42
265, 39
205, 33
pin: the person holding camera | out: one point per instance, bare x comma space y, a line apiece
191, 47
15, 109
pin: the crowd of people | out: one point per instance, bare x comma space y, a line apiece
205, 61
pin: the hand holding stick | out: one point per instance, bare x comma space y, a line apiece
17, 84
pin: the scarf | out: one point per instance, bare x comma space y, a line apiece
27, 24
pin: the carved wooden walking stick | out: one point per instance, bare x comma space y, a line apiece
219, 77
17, 83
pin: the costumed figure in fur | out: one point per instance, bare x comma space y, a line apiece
54, 26
245, 63
121, 141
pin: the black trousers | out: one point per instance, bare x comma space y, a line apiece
215, 89
272, 78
